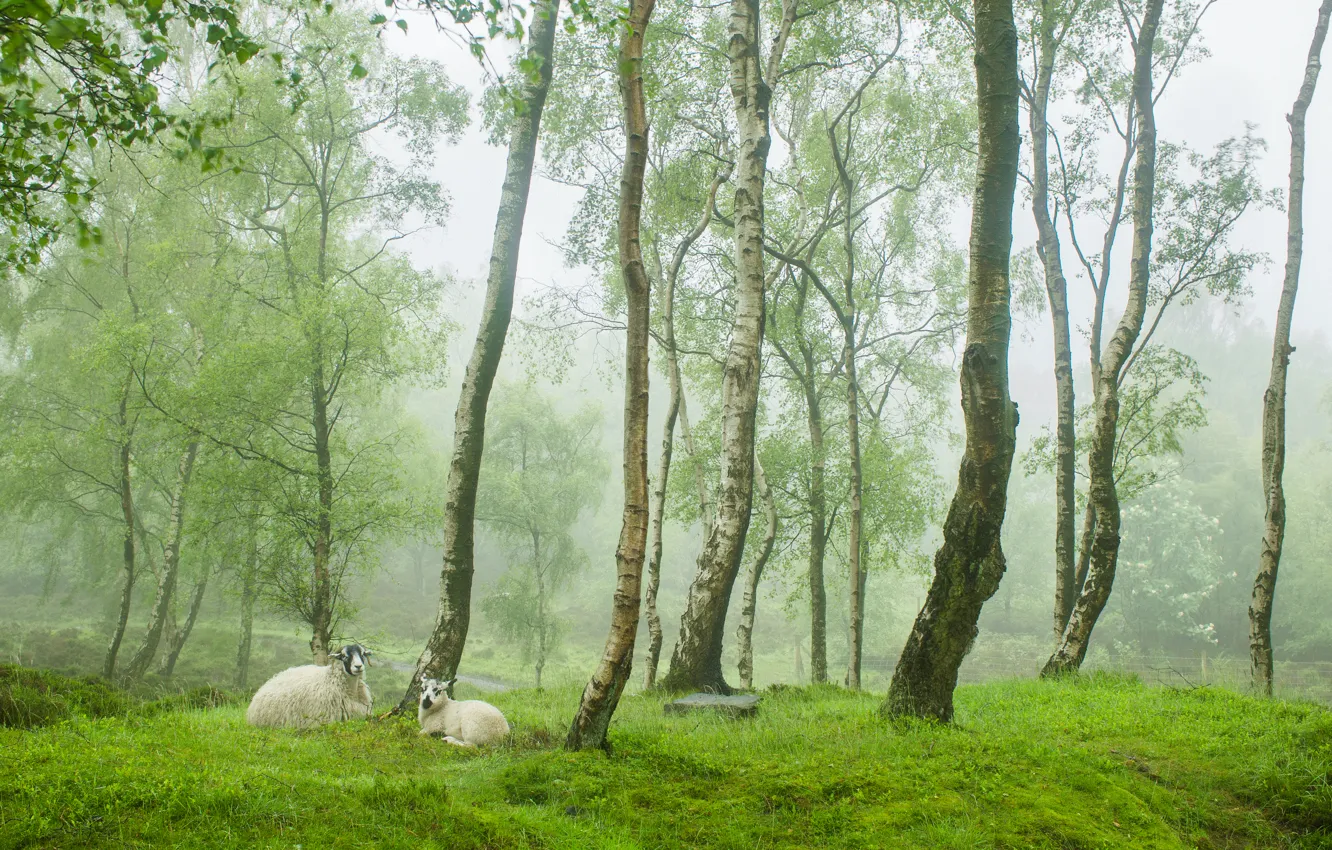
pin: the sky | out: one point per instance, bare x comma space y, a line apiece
1258, 50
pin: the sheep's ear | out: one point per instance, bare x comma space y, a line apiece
367, 653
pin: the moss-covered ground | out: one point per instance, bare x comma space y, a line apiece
1094, 762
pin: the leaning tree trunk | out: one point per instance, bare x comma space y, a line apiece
745, 633
127, 513
249, 590
182, 634
1103, 499
1056, 288
602, 693
696, 660
1274, 400
166, 582
444, 648
668, 429
970, 563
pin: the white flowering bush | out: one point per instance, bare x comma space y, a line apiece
1170, 568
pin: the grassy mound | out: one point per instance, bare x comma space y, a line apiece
1083, 763
31, 698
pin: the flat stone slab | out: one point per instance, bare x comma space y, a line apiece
739, 705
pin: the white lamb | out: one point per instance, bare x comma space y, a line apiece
463, 723
315, 694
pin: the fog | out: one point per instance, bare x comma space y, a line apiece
1180, 620
1254, 67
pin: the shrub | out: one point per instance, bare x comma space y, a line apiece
32, 698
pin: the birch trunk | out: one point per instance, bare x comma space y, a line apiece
1056, 288
970, 562
1274, 400
543, 626
802, 369
658, 517
249, 577
170, 630
181, 635
848, 317
706, 510
1103, 499
1084, 551
166, 582
443, 650
745, 632
602, 694
658, 512
127, 513
696, 660
322, 604
668, 431
818, 531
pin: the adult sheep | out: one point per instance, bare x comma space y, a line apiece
315, 694
463, 723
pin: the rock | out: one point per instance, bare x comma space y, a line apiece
739, 705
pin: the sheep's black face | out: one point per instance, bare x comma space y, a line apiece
431, 692
354, 658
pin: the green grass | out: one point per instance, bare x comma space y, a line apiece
1097, 762
32, 698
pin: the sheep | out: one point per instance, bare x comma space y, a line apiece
314, 694
463, 723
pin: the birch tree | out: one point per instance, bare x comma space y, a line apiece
322, 317
443, 650
81, 437
1103, 501
801, 346
749, 605
1274, 399
170, 572
696, 659
677, 411
871, 162
1183, 247
80, 75
601, 696
1053, 20
688, 164
970, 563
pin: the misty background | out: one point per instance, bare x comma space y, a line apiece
1190, 543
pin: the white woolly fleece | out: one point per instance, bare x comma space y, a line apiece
310, 695
468, 722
